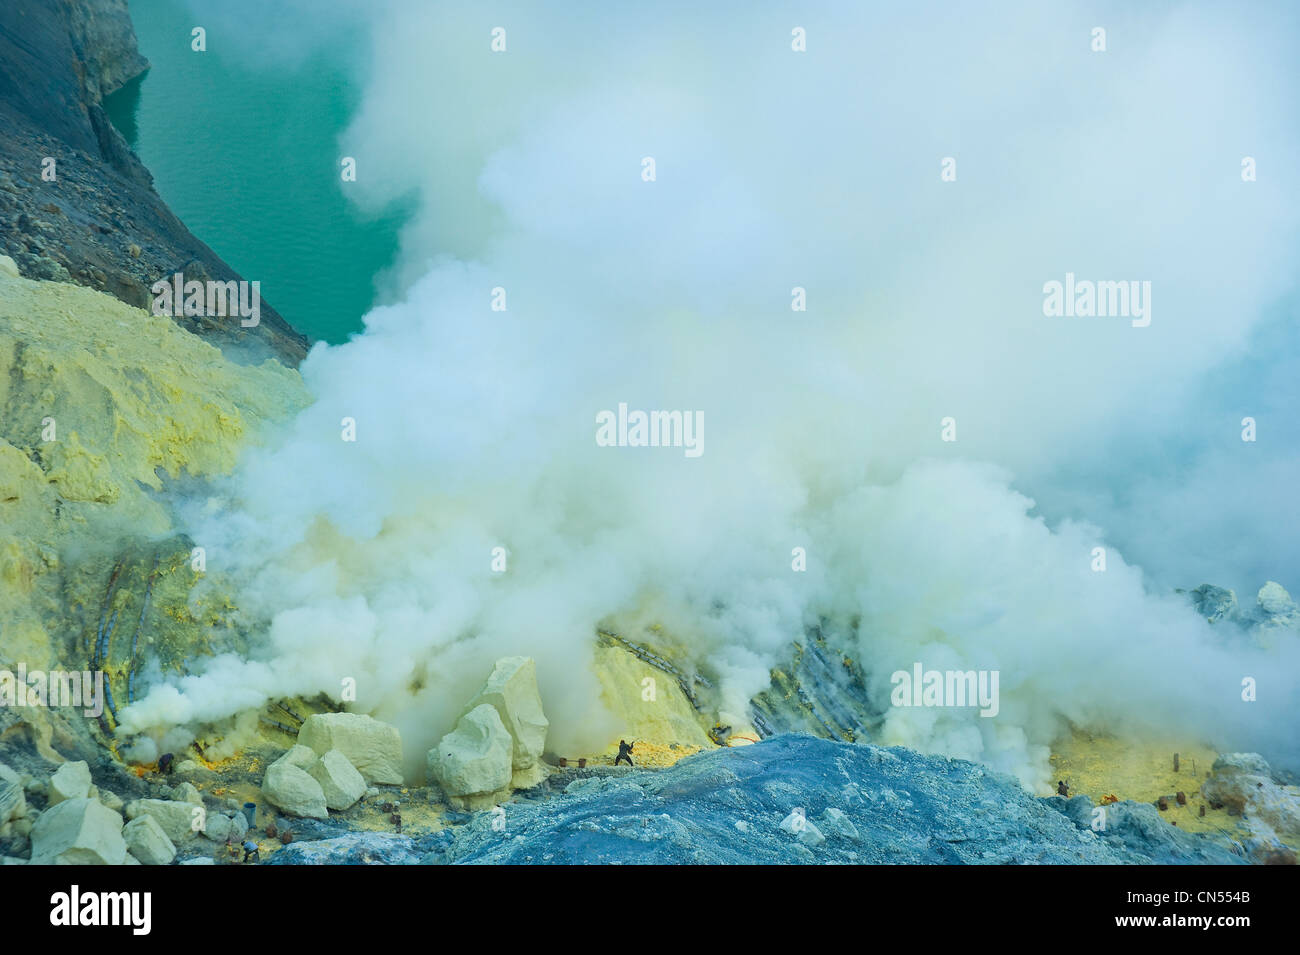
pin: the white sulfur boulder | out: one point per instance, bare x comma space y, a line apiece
78, 832
511, 690
473, 763
372, 747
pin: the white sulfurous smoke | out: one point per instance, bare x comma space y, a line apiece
774, 169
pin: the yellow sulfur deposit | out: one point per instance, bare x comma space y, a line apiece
655, 715
646, 753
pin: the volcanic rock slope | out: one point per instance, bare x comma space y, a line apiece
788, 800
98, 222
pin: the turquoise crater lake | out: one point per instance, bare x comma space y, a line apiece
246, 154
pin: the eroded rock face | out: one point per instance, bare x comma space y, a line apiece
372, 747
511, 690
100, 224
78, 831
498, 742
473, 763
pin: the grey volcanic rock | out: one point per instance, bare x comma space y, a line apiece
1244, 783
1274, 613
875, 805
1214, 603
356, 848
104, 40
78, 832
100, 223
818, 691
146, 841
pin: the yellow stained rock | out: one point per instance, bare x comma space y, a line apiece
103, 402
654, 715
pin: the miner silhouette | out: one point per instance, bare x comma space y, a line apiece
624, 752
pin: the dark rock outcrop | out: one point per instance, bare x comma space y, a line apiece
99, 223
819, 691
